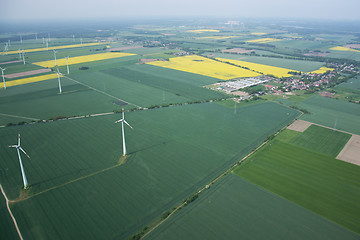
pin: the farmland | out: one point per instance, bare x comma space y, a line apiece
29, 80
83, 59
311, 179
265, 69
55, 48
236, 208
204, 66
202, 162
322, 140
163, 182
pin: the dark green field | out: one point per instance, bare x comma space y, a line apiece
173, 152
8, 230
318, 182
233, 208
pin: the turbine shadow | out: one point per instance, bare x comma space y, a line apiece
78, 172
149, 147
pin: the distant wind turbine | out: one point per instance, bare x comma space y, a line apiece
2, 72
67, 65
58, 74
55, 57
122, 130
23, 56
18, 149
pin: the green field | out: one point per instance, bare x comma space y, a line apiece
353, 84
329, 112
234, 208
172, 154
96, 89
318, 182
322, 140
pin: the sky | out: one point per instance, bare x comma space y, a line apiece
107, 9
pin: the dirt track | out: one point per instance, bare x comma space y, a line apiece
22, 74
351, 151
299, 125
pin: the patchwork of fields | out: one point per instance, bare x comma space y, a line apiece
237, 209
185, 136
307, 173
134, 194
55, 48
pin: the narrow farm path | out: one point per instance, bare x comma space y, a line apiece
11, 215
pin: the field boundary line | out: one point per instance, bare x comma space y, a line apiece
10, 212
95, 89
16, 116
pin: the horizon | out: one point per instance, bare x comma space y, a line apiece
39, 10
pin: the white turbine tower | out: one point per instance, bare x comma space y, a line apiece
2, 73
18, 147
122, 129
55, 57
23, 56
58, 74
67, 65
20, 54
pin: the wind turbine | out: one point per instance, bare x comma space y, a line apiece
67, 64
55, 57
18, 147
122, 129
58, 74
23, 56
2, 72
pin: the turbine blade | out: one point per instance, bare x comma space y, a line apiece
118, 121
24, 152
128, 124
123, 113
14, 146
19, 139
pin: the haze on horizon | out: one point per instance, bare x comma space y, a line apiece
19, 10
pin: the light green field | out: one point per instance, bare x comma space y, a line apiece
318, 182
172, 154
234, 208
322, 140
332, 113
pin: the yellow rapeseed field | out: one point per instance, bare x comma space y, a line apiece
263, 40
344, 49
56, 47
29, 80
83, 59
204, 66
322, 70
265, 69
203, 30
258, 33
